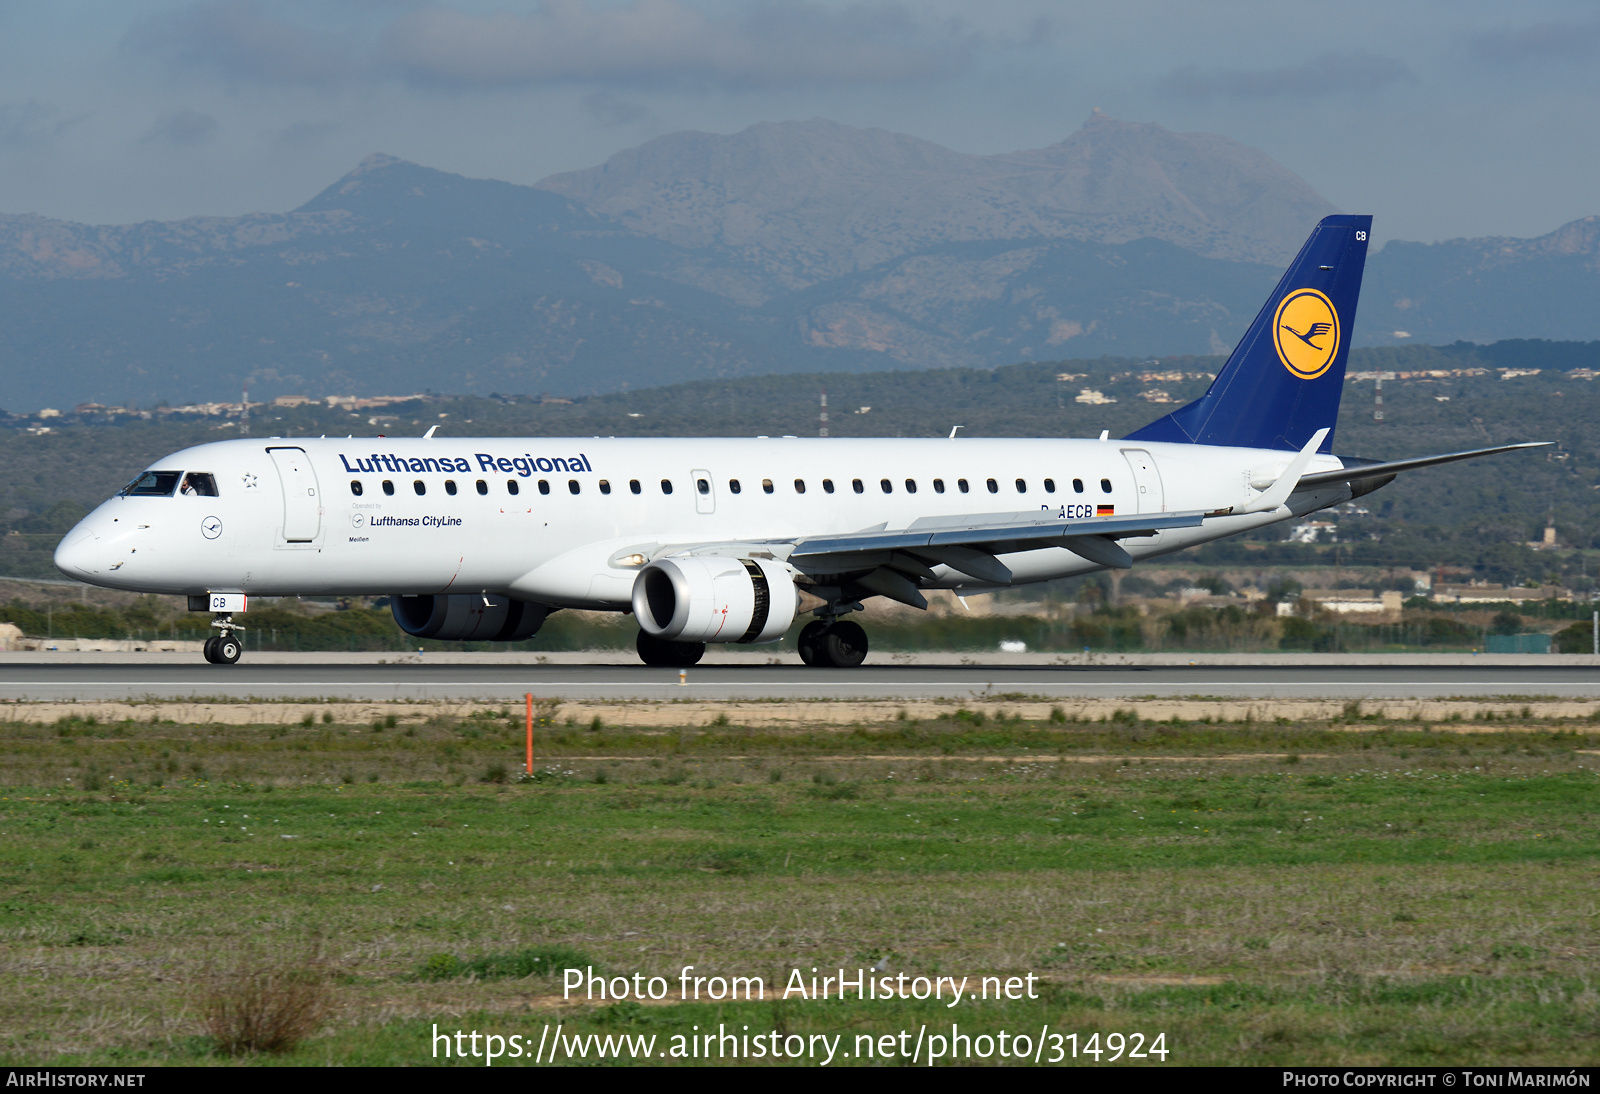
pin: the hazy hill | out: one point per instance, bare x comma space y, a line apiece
397, 276
1481, 290
797, 247
813, 200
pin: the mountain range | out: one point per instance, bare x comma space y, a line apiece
788, 247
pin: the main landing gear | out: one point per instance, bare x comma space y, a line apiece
224, 648
677, 655
840, 644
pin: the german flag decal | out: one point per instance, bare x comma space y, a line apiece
1105, 510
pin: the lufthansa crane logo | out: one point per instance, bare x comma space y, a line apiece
1306, 332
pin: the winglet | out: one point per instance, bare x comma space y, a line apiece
1276, 494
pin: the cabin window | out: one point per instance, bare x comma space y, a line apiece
1049, 486
766, 486
994, 487
855, 484
544, 486
911, 486
799, 486
420, 487
605, 486
1022, 486
733, 486
827, 486
152, 484
198, 484
1105, 486
388, 487
666, 486
938, 486
483, 487
572, 486
1077, 486
703, 485
450, 487
886, 486
634, 487
512, 487
961, 485
355, 488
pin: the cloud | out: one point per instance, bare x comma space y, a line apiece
32, 124
640, 42
1328, 74
665, 41
305, 133
182, 129
1563, 41
614, 110
234, 39
1041, 31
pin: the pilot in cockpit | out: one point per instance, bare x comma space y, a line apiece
198, 484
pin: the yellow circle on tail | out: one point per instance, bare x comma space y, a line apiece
1306, 332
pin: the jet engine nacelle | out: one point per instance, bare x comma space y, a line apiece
468, 616
702, 598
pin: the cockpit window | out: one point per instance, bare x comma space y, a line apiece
199, 484
152, 484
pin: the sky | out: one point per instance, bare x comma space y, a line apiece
1444, 120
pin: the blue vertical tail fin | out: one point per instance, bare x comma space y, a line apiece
1283, 380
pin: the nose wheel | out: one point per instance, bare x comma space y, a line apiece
224, 648
840, 644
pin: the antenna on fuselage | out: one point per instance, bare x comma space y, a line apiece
953, 431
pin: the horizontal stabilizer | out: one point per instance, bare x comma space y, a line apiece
1394, 467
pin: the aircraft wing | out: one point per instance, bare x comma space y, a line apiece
969, 543
1389, 468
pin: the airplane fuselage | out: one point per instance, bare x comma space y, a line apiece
567, 521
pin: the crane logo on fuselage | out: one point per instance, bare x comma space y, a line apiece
1305, 331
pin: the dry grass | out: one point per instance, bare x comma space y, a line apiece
1452, 715
253, 1002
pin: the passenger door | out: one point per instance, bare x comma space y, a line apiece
1146, 480
302, 507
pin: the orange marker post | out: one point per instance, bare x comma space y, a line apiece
530, 734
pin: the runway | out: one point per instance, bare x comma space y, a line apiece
141, 679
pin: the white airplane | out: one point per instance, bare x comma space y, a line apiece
730, 540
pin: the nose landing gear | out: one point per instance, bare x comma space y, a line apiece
224, 648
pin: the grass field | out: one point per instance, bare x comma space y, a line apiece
1259, 894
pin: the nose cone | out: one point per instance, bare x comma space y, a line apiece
78, 554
